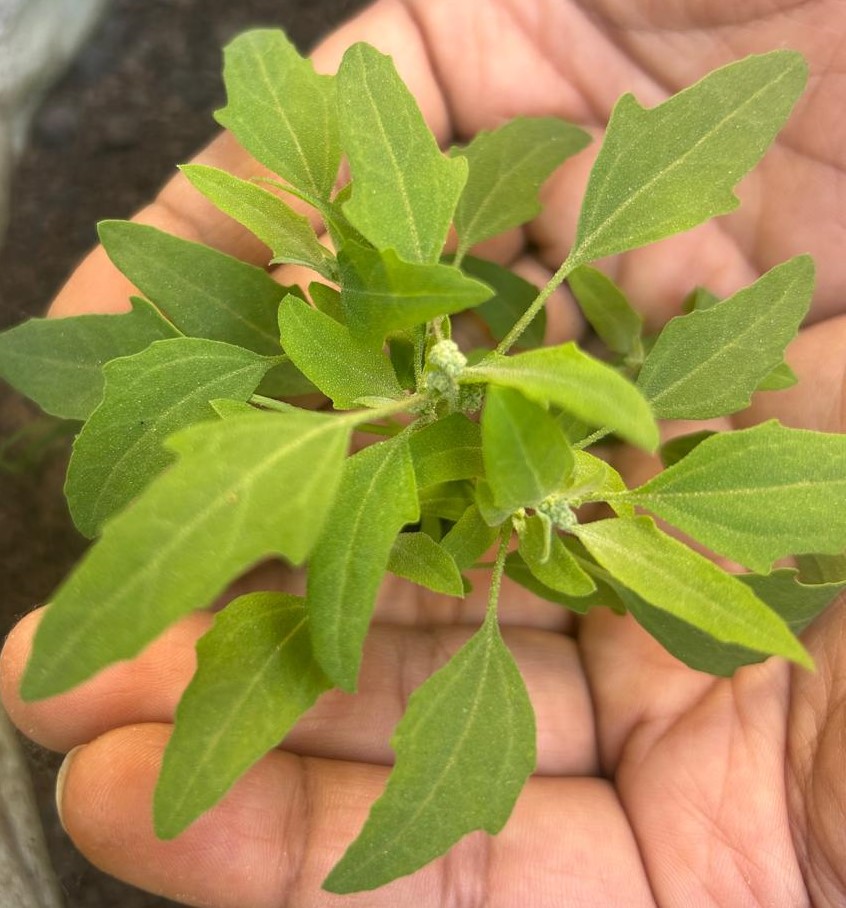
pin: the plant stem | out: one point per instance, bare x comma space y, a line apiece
525, 319
592, 439
498, 569
362, 417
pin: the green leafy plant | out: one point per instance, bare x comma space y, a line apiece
193, 465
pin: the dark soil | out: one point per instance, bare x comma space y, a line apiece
137, 101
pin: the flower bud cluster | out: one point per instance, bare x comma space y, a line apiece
557, 509
444, 365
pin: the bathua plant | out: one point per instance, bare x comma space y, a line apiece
192, 464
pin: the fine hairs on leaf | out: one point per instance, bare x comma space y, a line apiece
411, 458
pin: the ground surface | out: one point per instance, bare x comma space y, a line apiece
138, 101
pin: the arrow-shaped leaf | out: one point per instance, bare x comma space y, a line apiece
404, 189
282, 111
465, 747
148, 397
667, 169
58, 362
757, 494
242, 489
710, 362
256, 675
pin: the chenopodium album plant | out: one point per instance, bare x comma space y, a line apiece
189, 468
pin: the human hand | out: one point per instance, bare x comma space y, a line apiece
655, 784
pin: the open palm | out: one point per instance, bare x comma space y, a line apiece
655, 784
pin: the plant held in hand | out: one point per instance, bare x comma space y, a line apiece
192, 466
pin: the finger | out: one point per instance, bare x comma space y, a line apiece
341, 726
97, 286
274, 838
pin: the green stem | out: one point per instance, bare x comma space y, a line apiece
498, 570
362, 417
526, 318
592, 439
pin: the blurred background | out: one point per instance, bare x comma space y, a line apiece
99, 100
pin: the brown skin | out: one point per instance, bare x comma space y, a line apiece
656, 785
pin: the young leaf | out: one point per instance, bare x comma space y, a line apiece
447, 449
58, 362
282, 111
243, 489
491, 513
381, 294
700, 298
512, 297
256, 675
148, 397
465, 747
342, 366
525, 453
517, 570
710, 362
796, 602
205, 293
617, 324
757, 494
674, 578
289, 235
418, 558
506, 169
559, 570
376, 498
665, 170
469, 538
404, 190
594, 479
568, 378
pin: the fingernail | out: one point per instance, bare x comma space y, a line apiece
60, 780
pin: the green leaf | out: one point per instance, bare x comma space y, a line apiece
381, 294
286, 380
780, 378
816, 568
617, 324
418, 558
289, 235
243, 489
342, 366
526, 455
512, 297
492, 514
594, 479
404, 190
445, 450
327, 299
465, 747
507, 167
675, 579
256, 675
797, 603
282, 111
677, 448
548, 559
227, 408
376, 498
148, 397
568, 378
665, 170
448, 500
469, 538
58, 361
757, 494
710, 362
518, 571
205, 293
